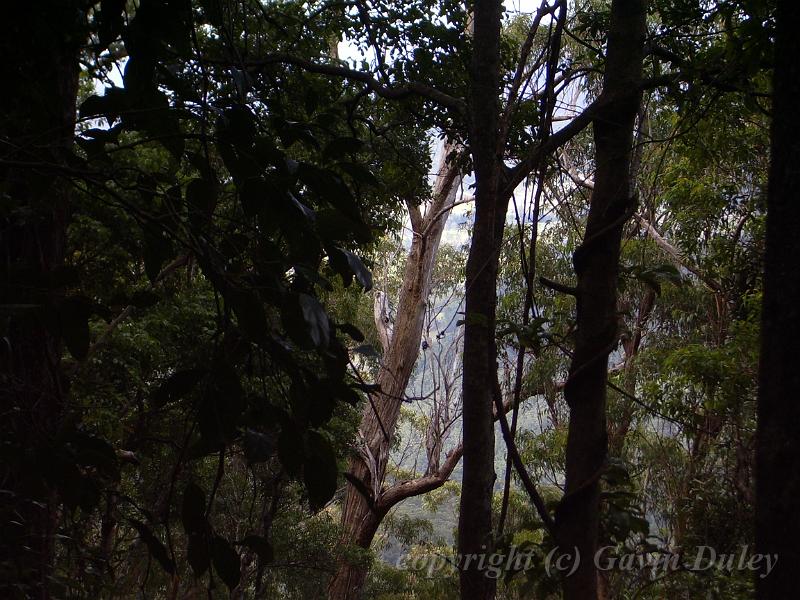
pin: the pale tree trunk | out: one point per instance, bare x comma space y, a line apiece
360, 515
596, 265
37, 120
778, 433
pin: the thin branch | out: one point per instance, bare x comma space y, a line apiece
558, 287
522, 472
676, 255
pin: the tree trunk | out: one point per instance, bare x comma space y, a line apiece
778, 433
378, 423
40, 70
480, 365
596, 264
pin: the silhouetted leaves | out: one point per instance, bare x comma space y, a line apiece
177, 386
351, 330
221, 407
260, 546
343, 145
258, 447
320, 469
74, 314
156, 548
347, 265
197, 529
226, 561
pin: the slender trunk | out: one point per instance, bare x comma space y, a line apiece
596, 264
37, 120
378, 423
480, 365
617, 431
778, 434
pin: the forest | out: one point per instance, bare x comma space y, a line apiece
400, 299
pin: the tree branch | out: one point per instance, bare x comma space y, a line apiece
676, 255
397, 92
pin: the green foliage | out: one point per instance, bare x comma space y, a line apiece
228, 210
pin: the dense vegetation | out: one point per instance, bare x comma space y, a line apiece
316, 299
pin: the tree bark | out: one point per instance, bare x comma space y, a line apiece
40, 70
596, 264
778, 432
360, 515
480, 364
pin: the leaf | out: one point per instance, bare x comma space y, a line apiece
351, 330
110, 105
657, 275
177, 386
348, 264
226, 561
316, 320
348, 394
212, 10
329, 187
74, 314
250, 314
110, 21
313, 276
367, 350
319, 402
359, 173
200, 200
254, 193
139, 78
258, 447
195, 524
260, 546
144, 299
334, 226
193, 509
155, 547
290, 448
320, 471
237, 126
157, 250
303, 210
291, 132
222, 406
342, 145
198, 553
91, 451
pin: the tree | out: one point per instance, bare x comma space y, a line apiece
41, 68
180, 321
778, 435
596, 263
366, 501
257, 191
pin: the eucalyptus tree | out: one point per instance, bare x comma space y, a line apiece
367, 500
242, 152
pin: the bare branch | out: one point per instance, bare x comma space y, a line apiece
676, 255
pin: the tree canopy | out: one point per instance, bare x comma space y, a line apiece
320, 299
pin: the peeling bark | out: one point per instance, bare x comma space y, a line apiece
360, 515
